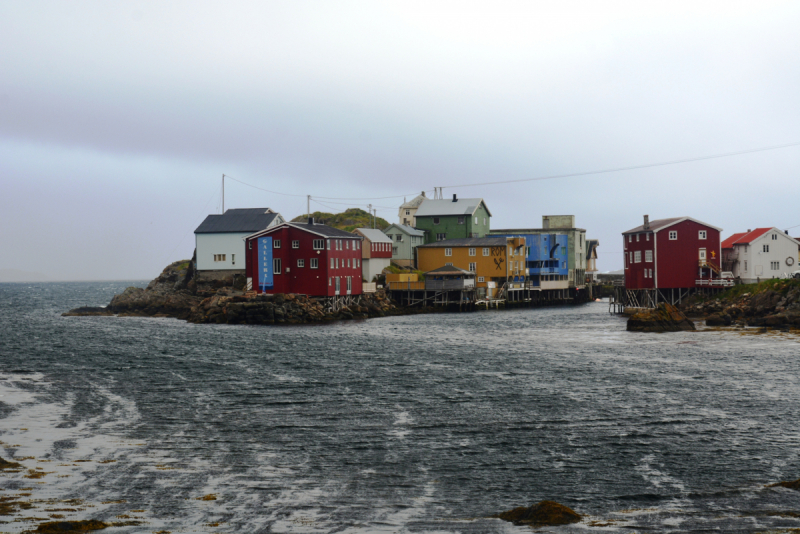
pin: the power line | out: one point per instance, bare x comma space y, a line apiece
632, 167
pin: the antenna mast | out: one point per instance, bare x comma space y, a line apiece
223, 193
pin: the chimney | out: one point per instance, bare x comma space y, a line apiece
787, 232
311, 220
454, 198
749, 230
423, 194
646, 222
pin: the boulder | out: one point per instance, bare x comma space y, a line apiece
545, 513
664, 318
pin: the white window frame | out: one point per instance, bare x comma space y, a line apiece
765, 248
436, 220
448, 251
673, 235
486, 251
648, 256
314, 263
637, 238
480, 279
276, 266
276, 243
295, 243
301, 262
702, 234
472, 252
318, 244
473, 267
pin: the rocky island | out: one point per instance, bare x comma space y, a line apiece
175, 293
772, 303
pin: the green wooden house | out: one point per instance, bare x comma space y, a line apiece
453, 219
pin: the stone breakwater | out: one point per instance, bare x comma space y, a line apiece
664, 318
175, 293
773, 303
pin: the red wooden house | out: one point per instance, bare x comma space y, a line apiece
671, 253
305, 258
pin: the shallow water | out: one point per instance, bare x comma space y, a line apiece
420, 423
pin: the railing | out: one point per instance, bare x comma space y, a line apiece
448, 285
716, 282
406, 286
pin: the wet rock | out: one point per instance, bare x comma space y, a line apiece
545, 513
5, 464
71, 526
664, 318
792, 484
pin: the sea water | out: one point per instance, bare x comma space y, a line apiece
426, 423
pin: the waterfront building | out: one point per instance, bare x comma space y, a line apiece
492, 259
576, 253
306, 258
408, 210
546, 259
405, 240
376, 252
758, 254
591, 259
219, 240
676, 253
458, 218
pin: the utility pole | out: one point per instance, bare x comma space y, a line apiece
223, 193
308, 206
374, 216
369, 210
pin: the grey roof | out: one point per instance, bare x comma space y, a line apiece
462, 206
469, 242
450, 269
376, 236
325, 230
660, 224
407, 229
415, 202
237, 220
557, 231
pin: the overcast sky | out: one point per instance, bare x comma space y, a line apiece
118, 119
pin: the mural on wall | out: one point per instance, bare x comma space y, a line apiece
498, 264
265, 263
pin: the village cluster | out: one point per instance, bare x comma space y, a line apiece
450, 242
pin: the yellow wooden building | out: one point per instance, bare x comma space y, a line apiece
492, 259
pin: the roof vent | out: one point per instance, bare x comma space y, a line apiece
646, 222
749, 230
787, 232
454, 198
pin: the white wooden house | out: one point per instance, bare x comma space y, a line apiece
219, 240
759, 254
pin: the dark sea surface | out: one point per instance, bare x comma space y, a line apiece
423, 423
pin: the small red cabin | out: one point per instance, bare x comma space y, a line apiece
671, 253
305, 258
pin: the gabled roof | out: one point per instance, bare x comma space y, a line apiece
449, 269
660, 224
462, 206
745, 238
406, 229
376, 236
469, 242
322, 230
414, 202
238, 220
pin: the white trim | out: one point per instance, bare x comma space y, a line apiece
682, 219
274, 228
655, 258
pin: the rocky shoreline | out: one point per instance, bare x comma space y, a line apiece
772, 303
175, 293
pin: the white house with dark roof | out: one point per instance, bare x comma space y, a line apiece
408, 210
219, 240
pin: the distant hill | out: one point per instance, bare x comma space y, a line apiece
348, 220
15, 275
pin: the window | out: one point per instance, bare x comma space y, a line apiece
301, 263
318, 244
648, 256
630, 238
332, 263
480, 279
329, 244
276, 265
295, 244
408, 212
473, 267
648, 237
476, 220
338, 285
250, 245
348, 263
394, 250
774, 237
702, 254
329, 281
349, 284
219, 257
448, 252
745, 265
485, 251
315, 263
337, 263
436, 220
775, 265
276, 243
637, 238
673, 235
637, 256
347, 244
233, 259
701, 234
449, 264
484, 221
461, 219
651, 273
398, 237
766, 248
441, 237
472, 252
563, 251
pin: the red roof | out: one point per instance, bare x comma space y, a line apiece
744, 237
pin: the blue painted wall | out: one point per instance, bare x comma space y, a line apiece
546, 254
